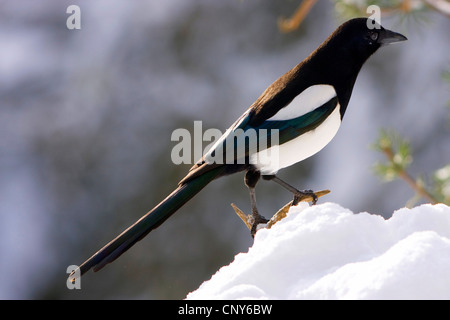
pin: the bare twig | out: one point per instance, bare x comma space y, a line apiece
289, 25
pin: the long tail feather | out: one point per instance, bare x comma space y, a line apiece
148, 222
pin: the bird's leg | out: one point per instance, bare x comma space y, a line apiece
251, 179
298, 195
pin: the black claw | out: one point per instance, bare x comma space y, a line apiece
296, 200
314, 198
300, 195
313, 195
258, 219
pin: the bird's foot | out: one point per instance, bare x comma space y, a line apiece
305, 195
252, 221
255, 220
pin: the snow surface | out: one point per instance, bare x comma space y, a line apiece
328, 252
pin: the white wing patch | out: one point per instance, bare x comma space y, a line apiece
269, 161
310, 99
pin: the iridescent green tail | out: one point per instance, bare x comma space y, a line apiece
148, 222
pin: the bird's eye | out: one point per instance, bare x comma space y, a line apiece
373, 36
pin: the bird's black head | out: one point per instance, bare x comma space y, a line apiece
359, 38
339, 58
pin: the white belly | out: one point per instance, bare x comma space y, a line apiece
269, 161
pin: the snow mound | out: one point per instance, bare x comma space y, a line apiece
328, 252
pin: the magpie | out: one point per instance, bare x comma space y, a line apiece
304, 109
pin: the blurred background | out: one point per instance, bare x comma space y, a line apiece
86, 118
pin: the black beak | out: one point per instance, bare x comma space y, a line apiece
387, 36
